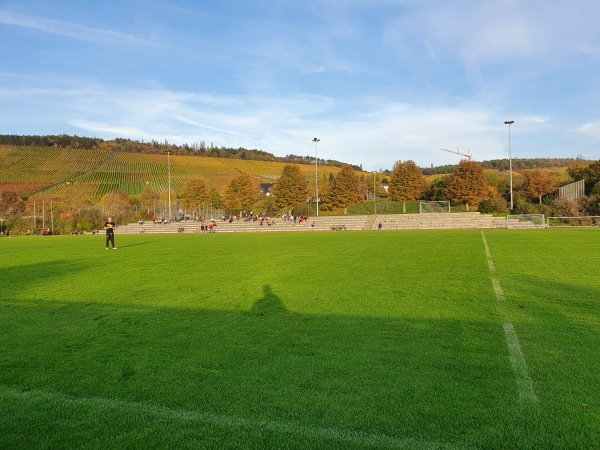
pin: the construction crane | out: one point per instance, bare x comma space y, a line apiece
467, 155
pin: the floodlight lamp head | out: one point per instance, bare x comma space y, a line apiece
316, 139
509, 122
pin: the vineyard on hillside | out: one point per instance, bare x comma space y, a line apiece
56, 173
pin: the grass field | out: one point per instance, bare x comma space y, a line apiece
447, 339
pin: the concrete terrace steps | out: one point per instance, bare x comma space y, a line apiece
370, 222
437, 221
321, 223
434, 221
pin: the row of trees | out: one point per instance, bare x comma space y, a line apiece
290, 194
504, 164
470, 184
489, 191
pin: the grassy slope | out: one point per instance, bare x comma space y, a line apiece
93, 173
269, 340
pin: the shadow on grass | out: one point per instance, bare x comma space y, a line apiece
268, 304
134, 245
26, 276
428, 380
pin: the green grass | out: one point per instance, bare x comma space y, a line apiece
310, 340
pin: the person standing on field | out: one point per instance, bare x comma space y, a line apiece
110, 226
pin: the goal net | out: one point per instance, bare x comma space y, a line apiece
526, 221
434, 207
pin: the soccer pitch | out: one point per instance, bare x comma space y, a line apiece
431, 339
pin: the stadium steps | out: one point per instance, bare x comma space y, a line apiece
370, 222
321, 223
440, 221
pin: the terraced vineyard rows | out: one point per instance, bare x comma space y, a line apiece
46, 165
56, 173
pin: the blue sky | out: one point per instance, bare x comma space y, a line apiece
377, 81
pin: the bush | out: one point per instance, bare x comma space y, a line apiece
562, 207
494, 205
591, 205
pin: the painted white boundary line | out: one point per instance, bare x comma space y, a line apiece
517, 360
515, 354
498, 290
134, 408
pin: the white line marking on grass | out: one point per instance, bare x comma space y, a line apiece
488, 254
515, 354
498, 290
485, 244
135, 408
525, 388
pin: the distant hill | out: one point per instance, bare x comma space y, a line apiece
503, 164
154, 147
57, 172
62, 165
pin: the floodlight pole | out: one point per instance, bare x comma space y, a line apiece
169, 169
316, 141
509, 123
374, 195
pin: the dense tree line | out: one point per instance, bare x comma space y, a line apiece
504, 164
469, 185
62, 141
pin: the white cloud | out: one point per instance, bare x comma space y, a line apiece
71, 30
498, 30
205, 126
534, 119
374, 132
591, 129
110, 129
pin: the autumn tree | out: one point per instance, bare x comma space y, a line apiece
194, 192
345, 189
380, 191
74, 198
116, 204
116, 201
149, 198
215, 198
9, 202
468, 185
291, 189
407, 183
538, 183
436, 190
590, 173
241, 193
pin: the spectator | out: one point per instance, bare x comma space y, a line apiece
110, 226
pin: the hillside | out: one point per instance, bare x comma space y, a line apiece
503, 165
59, 172
91, 171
